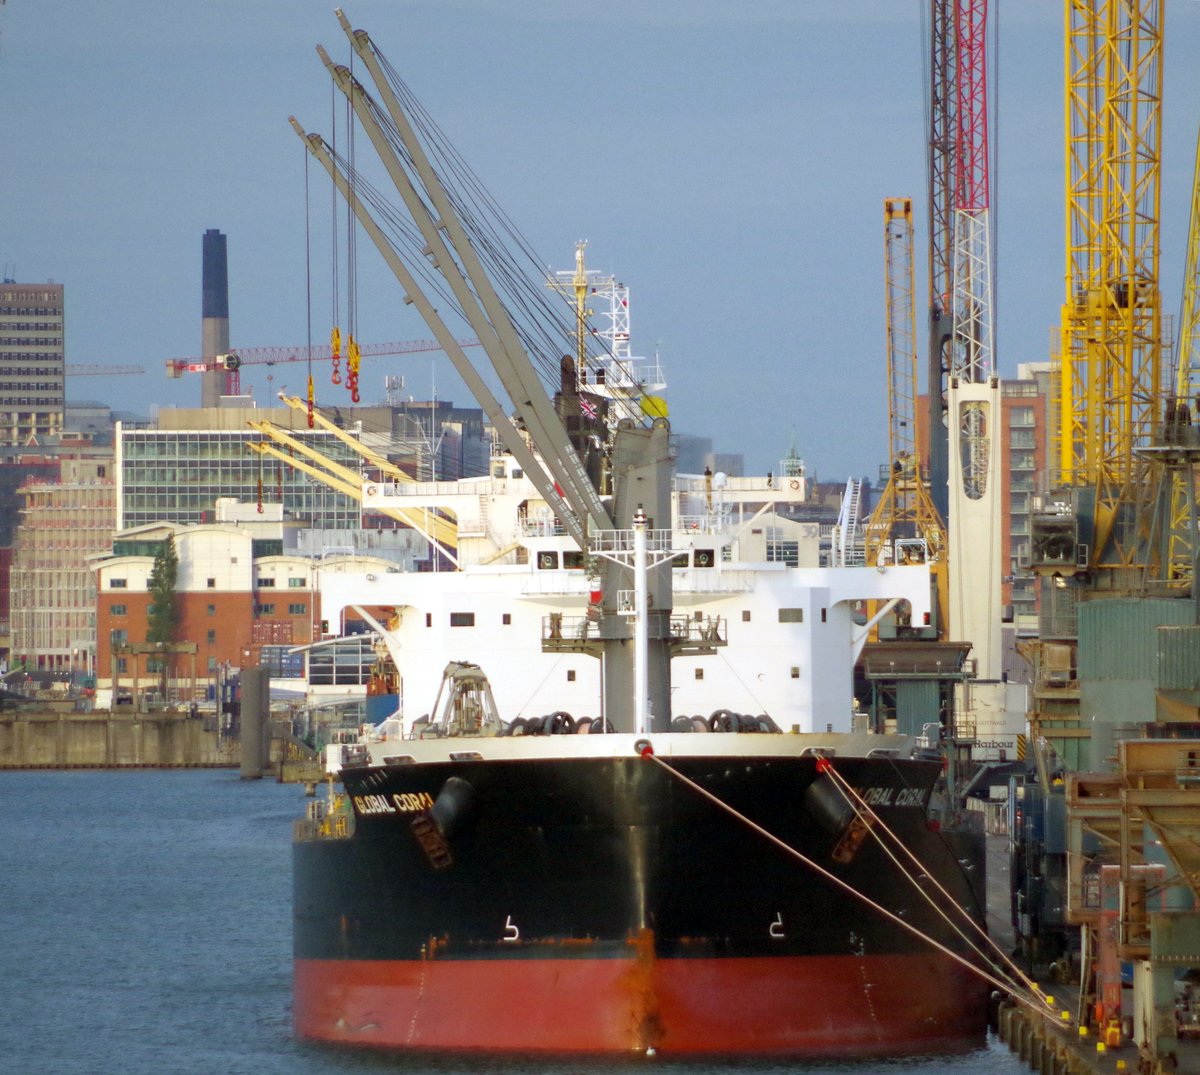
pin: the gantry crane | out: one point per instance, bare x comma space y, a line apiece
941, 146
1096, 536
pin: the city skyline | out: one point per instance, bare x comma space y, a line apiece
730, 166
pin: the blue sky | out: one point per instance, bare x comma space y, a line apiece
727, 161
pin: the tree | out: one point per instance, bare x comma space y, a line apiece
162, 618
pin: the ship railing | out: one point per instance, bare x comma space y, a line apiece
683, 627
711, 629
704, 523
557, 626
426, 489
541, 528
565, 581
621, 541
625, 376
708, 580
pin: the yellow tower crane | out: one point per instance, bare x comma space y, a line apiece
1111, 344
1182, 433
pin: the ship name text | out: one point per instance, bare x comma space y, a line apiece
398, 803
892, 796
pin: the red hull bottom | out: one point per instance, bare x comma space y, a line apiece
782, 1006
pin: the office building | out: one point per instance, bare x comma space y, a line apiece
178, 471
31, 362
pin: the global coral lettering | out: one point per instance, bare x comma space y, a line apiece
373, 804
397, 803
892, 796
414, 803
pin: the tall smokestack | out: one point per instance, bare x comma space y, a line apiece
214, 316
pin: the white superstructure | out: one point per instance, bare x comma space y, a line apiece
763, 636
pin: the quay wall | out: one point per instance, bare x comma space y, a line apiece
100, 740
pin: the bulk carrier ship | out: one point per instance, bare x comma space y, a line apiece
633, 881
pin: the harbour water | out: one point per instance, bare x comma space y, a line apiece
145, 927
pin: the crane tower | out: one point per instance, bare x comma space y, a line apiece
973, 397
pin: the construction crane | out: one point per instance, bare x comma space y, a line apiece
975, 541
234, 360
1095, 538
1181, 435
87, 369
1111, 335
905, 526
941, 145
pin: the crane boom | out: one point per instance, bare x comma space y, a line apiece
436, 529
1183, 412
235, 358
512, 438
637, 452
905, 515
439, 223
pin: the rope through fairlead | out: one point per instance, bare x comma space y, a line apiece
646, 751
863, 809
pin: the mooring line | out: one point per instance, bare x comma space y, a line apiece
646, 751
862, 808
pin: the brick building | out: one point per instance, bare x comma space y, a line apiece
236, 595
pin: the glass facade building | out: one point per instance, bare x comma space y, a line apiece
177, 475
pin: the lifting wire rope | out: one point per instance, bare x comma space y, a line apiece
542, 323
352, 350
311, 398
1036, 1001
335, 335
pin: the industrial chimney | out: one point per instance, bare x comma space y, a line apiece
214, 323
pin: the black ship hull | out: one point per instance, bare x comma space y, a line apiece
598, 903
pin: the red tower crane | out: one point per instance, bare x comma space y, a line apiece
234, 360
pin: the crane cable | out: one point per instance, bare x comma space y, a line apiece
352, 349
335, 335
307, 296
647, 751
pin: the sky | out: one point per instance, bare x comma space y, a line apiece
728, 162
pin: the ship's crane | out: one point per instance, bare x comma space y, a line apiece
284, 447
442, 259
905, 526
234, 360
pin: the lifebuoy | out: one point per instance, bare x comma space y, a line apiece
372, 490
794, 483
